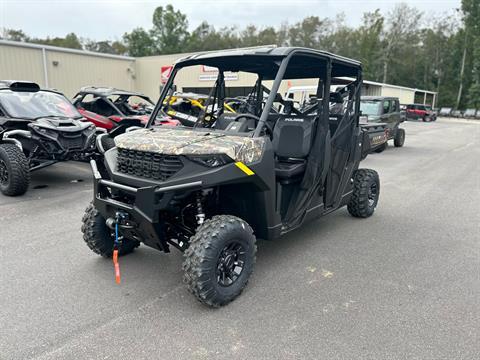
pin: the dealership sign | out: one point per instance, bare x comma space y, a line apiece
213, 77
165, 73
210, 73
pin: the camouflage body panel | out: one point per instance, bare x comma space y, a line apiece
178, 141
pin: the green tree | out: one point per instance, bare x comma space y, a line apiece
400, 36
471, 10
309, 32
474, 90
169, 32
106, 47
14, 35
69, 41
370, 45
139, 43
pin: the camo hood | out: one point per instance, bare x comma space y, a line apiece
178, 141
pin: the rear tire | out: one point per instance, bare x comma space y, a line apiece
99, 237
399, 139
366, 190
219, 260
14, 170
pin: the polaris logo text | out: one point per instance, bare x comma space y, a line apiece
294, 119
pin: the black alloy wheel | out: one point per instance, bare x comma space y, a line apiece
230, 263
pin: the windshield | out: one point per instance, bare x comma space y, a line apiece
132, 104
219, 97
370, 107
33, 105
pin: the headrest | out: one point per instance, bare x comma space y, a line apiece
336, 97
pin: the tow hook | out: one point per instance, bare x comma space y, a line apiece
120, 219
111, 223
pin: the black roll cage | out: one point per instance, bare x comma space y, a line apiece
330, 61
105, 97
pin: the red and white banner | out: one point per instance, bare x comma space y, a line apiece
165, 73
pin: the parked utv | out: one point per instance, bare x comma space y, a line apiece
457, 113
114, 110
445, 111
469, 113
37, 128
384, 110
212, 189
185, 107
420, 112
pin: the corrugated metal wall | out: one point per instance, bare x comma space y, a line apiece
406, 96
19, 63
66, 71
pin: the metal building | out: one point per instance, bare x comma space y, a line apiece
64, 69
68, 70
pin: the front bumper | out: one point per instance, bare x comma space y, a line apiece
143, 221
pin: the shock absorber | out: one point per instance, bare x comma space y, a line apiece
200, 214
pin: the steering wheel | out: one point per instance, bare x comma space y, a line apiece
251, 116
267, 129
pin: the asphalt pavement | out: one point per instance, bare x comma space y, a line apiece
403, 284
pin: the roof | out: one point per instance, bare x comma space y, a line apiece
373, 98
267, 51
266, 60
64, 50
24, 86
375, 83
108, 91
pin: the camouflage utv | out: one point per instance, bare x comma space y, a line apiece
212, 189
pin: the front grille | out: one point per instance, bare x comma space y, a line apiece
148, 165
73, 141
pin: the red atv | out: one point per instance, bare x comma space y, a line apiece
420, 111
115, 110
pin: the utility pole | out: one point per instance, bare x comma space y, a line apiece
462, 70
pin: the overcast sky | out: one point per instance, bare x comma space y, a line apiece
108, 19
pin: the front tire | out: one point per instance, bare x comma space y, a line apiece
14, 170
399, 139
366, 190
219, 260
99, 237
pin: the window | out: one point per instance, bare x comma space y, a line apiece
393, 106
386, 106
370, 107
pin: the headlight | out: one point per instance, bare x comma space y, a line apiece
211, 160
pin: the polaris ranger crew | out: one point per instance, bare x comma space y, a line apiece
212, 189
